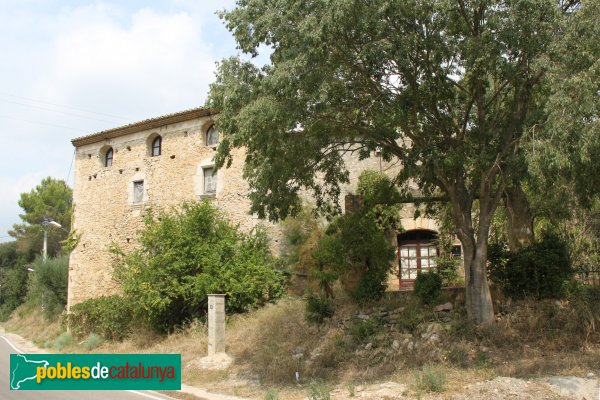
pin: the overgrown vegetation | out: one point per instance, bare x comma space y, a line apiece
188, 253
109, 316
428, 287
540, 270
48, 283
51, 199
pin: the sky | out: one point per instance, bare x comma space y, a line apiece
71, 68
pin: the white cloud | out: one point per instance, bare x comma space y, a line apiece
101, 56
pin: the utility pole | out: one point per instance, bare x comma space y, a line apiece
45, 223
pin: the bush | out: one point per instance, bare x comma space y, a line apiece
319, 390
109, 316
92, 341
189, 253
354, 247
318, 308
428, 287
540, 270
361, 330
48, 284
430, 379
62, 341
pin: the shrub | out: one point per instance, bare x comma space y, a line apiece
109, 316
92, 341
318, 308
319, 390
62, 341
187, 254
361, 330
354, 247
430, 379
428, 287
48, 284
540, 270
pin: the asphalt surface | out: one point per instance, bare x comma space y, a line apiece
6, 348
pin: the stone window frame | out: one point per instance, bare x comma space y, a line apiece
156, 146
138, 177
200, 182
107, 155
138, 198
214, 180
207, 136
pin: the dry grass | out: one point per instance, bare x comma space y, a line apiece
271, 344
28, 321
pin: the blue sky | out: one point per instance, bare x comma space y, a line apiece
70, 68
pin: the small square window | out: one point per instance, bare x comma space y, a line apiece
210, 180
138, 191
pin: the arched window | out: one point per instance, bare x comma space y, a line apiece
212, 136
156, 146
108, 157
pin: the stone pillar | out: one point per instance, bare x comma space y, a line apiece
216, 324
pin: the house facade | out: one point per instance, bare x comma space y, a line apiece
158, 163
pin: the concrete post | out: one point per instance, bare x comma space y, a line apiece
216, 324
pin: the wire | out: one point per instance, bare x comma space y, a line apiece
70, 166
63, 106
40, 123
114, 121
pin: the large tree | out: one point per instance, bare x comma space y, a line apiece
445, 86
50, 200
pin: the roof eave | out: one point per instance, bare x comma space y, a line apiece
151, 123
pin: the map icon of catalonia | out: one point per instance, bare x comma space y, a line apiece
24, 370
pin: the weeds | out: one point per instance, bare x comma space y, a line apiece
62, 341
272, 394
319, 390
361, 330
92, 341
430, 379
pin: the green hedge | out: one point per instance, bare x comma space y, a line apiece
108, 316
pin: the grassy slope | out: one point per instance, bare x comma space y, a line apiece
271, 344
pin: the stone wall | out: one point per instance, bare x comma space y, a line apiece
104, 208
104, 211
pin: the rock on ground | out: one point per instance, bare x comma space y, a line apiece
574, 387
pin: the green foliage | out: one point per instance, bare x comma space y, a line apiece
563, 153
187, 254
447, 263
354, 246
48, 284
109, 316
92, 341
62, 341
430, 379
411, 317
381, 200
13, 277
71, 241
540, 270
272, 394
319, 390
318, 308
455, 113
363, 329
300, 235
428, 287
52, 199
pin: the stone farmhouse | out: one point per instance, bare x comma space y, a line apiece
161, 162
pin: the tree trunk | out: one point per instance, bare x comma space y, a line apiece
520, 218
478, 298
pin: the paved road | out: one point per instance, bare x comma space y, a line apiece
6, 347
